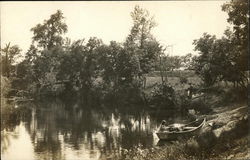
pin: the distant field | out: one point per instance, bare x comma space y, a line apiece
173, 81
184, 73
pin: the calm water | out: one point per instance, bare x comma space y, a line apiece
55, 130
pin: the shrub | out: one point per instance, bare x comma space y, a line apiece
5, 86
163, 95
183, 80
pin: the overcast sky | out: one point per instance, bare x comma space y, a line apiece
179, 22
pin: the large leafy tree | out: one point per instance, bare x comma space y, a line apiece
207, 64
217, 59
79, 63
108, 61
89, 67
49, 34
140, 44
42, 61
142, 26
238, 12
71, 61
225, 58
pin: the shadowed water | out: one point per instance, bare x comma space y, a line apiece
66, 131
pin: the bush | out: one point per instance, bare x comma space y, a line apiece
123, 94
183, 80
163, 95
235, 95
5, 86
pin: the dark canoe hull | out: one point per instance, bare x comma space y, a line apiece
180, 134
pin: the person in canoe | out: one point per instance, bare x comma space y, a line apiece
170, 128
163, 126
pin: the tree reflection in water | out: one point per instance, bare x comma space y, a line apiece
72, 130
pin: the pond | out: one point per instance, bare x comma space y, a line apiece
71, 131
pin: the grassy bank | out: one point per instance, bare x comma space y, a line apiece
231, 144
225, 135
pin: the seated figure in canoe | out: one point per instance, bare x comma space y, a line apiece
170, 128
177, 130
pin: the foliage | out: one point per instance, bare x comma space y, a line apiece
187, 61
171, 63
142, 25
5, 86
238, 12
140, 44
9, 54
48, 34
109, 62
183, 80
53, 60
225, 58
204, 63
163, 95
217, 59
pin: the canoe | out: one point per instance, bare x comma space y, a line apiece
176, 131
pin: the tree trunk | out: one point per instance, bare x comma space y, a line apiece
7, 61
161, 72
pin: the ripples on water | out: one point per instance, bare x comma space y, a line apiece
55, 130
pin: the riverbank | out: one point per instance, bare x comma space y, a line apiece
225, 136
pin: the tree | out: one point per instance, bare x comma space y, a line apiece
186, 61
204, 63
47, 66
89, 67
226, 58
49, 34
141, 45
11, 53
109, 62
217, 60
142, 26
79, 63
44, 56
32, 54
238, 12
71, 61
127, 66
228, 53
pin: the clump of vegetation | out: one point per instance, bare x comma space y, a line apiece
163, 95
12, 114
233, 95
5, 86
183, 80
225, 59
123, 94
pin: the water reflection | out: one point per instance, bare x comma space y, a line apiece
55, 130
13, 144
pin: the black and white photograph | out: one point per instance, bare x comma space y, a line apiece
125, 80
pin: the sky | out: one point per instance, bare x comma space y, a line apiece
179, 22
